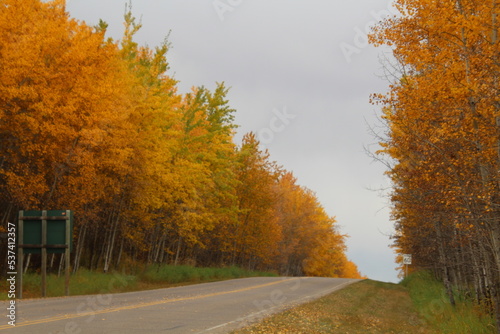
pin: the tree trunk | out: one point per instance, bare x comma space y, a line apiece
28, 258
120, 253
61, 264
178, 251
444, 263
111, 243
79, 247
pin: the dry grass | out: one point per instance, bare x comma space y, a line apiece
365, 307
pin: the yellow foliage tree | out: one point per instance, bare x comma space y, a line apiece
97, 126
443, 118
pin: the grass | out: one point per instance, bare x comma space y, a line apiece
364, 307
430, 300
86, 282
417, 305
184, 274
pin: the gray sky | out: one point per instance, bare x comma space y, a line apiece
300, 73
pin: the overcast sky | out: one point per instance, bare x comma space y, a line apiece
300, 73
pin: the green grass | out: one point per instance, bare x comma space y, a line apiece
364, 307
152, 277
430, 300
181, 274
418, 305
83, 283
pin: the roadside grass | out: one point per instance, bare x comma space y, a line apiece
189, 274
86, 282
364, 307
430, 300
417, 305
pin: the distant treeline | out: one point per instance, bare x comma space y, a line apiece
153, 176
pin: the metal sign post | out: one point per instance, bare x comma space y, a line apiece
406, 262
20, 255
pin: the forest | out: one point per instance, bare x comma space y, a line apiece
97, 126
441, 141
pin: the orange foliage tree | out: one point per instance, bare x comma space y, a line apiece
97, 126
443, 118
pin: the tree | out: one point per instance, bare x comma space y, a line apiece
97, 126
442, 117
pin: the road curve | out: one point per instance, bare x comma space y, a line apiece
217, 307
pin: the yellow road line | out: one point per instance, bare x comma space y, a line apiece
131, 307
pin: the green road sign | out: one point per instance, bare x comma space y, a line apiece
42, 232
55, 237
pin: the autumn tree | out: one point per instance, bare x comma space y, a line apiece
311, 243
256, 233
443, 124
60, 96
97, 126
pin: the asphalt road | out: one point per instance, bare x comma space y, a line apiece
203, 308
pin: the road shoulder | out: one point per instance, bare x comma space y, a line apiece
363, 307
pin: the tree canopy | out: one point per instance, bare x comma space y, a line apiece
154, 176
443, 125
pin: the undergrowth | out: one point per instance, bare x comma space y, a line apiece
431, 301
86, 282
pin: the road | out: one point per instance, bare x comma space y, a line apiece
217, 307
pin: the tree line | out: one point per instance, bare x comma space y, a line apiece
97, 126
442, 115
